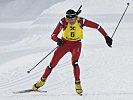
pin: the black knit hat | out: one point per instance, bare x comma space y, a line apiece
70, 13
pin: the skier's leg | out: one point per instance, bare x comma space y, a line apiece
59, 53
76, 50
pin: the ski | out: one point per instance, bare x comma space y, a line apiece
80, 94
29, 90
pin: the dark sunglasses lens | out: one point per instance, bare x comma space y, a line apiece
70, 16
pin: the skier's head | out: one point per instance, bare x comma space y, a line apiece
71, 16
70, 13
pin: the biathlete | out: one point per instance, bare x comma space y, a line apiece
70, 41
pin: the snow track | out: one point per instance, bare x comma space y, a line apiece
106, 73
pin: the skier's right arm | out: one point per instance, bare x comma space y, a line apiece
57, 31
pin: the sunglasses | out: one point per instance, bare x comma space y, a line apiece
70, 16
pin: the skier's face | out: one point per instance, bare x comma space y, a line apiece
72, 20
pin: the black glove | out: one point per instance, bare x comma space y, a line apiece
60, 42
108, 40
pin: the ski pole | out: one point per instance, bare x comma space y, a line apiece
79, 11
42, 60
120, 20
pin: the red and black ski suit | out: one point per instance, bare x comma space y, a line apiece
70, 46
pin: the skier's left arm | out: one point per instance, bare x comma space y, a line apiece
94, 25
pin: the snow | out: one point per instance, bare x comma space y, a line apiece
25, 29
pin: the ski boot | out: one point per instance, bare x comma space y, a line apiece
78, 87
39, 84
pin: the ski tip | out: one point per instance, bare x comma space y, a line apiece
80, 94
